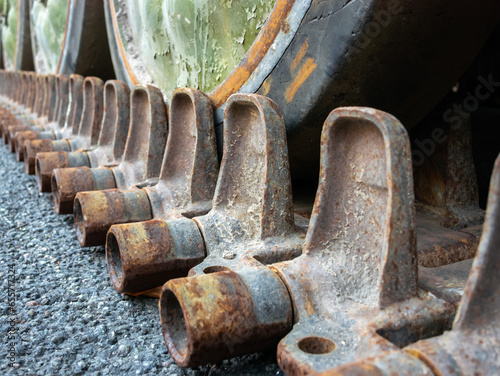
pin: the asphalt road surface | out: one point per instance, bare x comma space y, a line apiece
66, 318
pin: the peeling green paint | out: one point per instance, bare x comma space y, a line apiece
48, 24
9, 33
192, 43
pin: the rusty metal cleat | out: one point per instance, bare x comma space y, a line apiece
62, 82
22, 122
251, 223
358, 264
140, 255
447, 201
67, 182
71, 119
48, 130
28, 119
471, 347
96, 211
51, 102
66, 152
48, 106
21, 91
10, 89
361, 244
15, 93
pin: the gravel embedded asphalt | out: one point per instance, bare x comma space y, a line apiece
67, 318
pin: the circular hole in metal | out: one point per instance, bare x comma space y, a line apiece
173, 323
316, 345
79, 221
38, 169
55, 192
19, 150
38, 172
114, 259
215, 269
28, 165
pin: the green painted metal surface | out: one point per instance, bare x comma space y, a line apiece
48, 24
9, 33
193, 43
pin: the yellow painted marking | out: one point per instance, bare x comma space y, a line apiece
300, 55
266, 86
299, 79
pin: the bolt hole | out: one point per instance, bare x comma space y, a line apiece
173, 323
38, 172
215, 269
114, 259
55, 192
79, 221
316, 345
38, 168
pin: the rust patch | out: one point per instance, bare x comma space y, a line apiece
123, 53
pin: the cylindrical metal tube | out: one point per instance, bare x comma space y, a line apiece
47, 162
145, 255
31, 149
67, 182
95, 212
20, 141
61, 145
208, 318
11, 135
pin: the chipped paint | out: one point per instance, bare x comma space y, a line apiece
179, 43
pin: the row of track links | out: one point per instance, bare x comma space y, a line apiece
339, 293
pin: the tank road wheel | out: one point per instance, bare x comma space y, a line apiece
309, 56
68, 37
16, 50
1, 23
